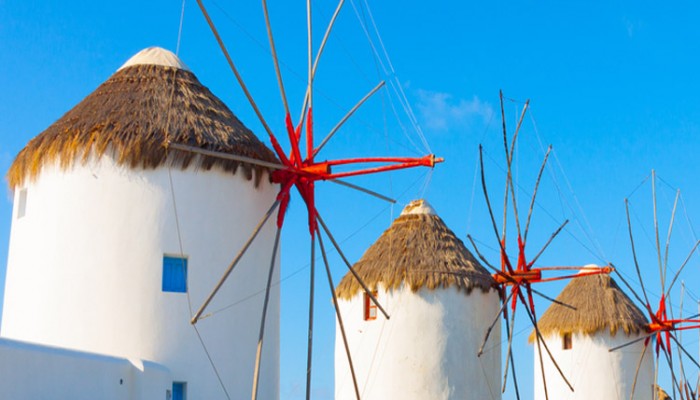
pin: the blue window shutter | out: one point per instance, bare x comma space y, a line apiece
174, 274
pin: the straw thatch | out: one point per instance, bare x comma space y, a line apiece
419, 251
131, 116
600, 305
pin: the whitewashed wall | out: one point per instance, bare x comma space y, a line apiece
85, 271
427, 350
31, 372
593, 371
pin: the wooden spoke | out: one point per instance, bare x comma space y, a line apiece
239, 78
636, 372
555, 301
226, 156
683, 349
656, 229
488, 203
624, 281
675, 277
310, 85
309, 349
352, 270
490, 328
670, 229
364, 190
533, 319
318, 57
273, 50
534, 259
631, 342
261, 336
338, 314
534, 193
235, 261
511, 359
634, 257
347, 116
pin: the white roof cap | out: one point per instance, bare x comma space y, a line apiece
418, 207
155, 56
588, 268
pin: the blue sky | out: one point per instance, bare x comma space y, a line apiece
613, 87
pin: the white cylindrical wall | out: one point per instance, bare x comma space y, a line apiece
427, 350
85, 270
593, 370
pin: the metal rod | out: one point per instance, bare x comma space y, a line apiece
261, 336
352, 270
235, 261
347, 116
338, 314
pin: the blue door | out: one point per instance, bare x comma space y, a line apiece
179, 390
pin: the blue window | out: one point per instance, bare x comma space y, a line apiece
174, 274
179, 391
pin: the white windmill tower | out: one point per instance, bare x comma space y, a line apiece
441, 301
593, 317
114, 238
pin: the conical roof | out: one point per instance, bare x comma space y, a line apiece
420, 251
152, 99
599, 304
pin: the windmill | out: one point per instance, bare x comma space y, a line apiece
664, 329
299, 170
516, 275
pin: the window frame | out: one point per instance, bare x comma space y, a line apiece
369, 309
169, 270
567, 341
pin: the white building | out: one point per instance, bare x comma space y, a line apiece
115, 241
440, 300
580, 341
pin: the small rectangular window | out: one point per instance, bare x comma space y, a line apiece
566, 341
179, 391
22, 203
370, 307
174, 274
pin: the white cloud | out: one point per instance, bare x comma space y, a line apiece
442, 112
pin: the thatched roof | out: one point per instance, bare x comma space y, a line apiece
151, 99
419, 251
600, 305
